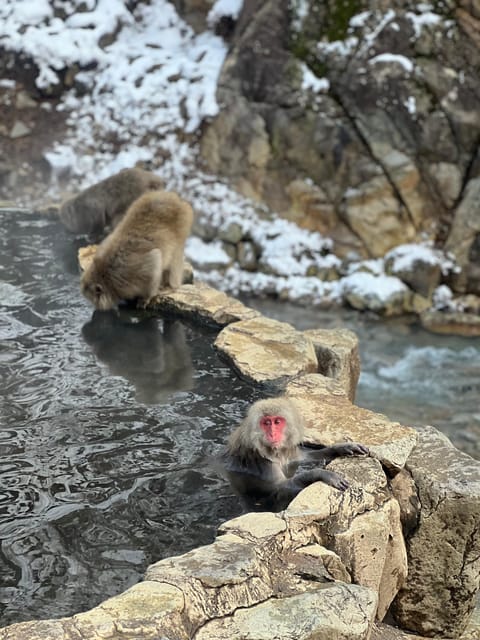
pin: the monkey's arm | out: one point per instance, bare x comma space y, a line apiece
305, 478
327, 454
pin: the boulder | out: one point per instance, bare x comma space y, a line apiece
451, 322
362, 526
330, 418
340, 611
338, 356
266, 351
439, 594
204, 304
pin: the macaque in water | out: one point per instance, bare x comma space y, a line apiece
104, 204
266, 449
143, 254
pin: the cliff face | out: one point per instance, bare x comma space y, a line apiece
358, 119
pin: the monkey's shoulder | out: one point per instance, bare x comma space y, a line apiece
249, 463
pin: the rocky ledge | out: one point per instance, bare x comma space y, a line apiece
403, 540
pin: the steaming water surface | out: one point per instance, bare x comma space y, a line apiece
109, 423
108, 426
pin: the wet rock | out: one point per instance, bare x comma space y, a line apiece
340, 611
267, 351
338, 356
452, 323
331, 418
204, 304
444, 552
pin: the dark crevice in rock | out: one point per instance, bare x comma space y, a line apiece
352, 120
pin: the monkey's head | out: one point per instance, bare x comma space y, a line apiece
272, 426
95, 287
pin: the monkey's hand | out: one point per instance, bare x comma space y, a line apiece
329, 477
351, 449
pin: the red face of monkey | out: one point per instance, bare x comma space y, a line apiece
273, 428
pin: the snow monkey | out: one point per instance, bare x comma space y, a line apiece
265, 450
103, 204
143, 254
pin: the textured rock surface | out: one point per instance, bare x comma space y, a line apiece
458, 323
203, 304
340, 611
337, 355
444, 550
361, 525
331, 418
267, 351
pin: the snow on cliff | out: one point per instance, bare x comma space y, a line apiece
156, 79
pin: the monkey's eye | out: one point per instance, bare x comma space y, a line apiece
267, 422
277, 421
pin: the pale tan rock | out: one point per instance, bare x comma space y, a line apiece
375, 214
444, 551
203, 303
137, 613
266, 351
373, 551
449, 180
332, 418
255, 525
338, 356
37, 630
140, 610
340, 611
216, 579
329, 559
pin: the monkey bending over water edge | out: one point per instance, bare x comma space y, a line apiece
143, 254
265, 450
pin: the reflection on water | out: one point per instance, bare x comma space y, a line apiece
107, 424
155, 361
411, 375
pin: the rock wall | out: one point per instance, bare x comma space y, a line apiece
406, 530
357, 119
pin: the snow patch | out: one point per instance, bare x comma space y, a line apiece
395, 58
311, 81
224, 8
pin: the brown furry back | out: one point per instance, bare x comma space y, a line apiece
103, 204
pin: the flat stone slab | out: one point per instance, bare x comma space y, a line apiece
264, 351
330, 418
340, 611
204, 304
